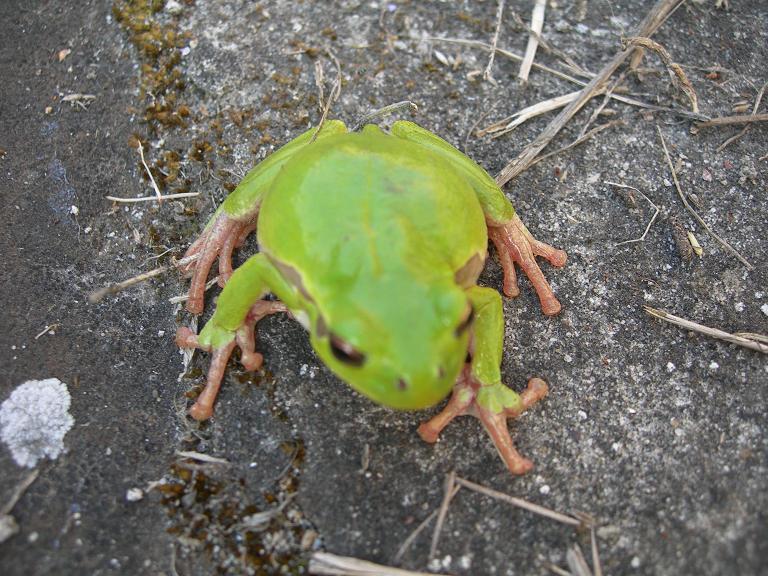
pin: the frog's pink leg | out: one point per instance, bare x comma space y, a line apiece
217, 241
233, 240
515, 245
496, 426
459, 404
245, 339
464, 402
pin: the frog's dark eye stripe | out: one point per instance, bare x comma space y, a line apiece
466, 323
344, 352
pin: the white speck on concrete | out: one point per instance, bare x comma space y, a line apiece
34, 420
635, 563
544, 489
134, 494
739, 306
764, 309
670, 367
714, 365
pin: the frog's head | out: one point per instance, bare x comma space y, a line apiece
401, 345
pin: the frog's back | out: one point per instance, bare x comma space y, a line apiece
370, 204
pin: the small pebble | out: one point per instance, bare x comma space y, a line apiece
134, 494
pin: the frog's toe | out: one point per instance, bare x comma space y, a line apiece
492, 405
246, 334
202, 409
221, 343
516, 245
494, 421
234, 239
217, 241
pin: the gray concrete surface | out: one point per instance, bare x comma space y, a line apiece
657, 433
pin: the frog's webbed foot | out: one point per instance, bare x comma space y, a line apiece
515, 245
244, 338
492, 405
218, 240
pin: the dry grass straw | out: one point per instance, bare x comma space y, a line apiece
647, 27
537, 25
487, 75
327, 564
746, 339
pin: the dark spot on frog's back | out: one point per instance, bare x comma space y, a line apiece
402, 384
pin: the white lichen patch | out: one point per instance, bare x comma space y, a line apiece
35, 419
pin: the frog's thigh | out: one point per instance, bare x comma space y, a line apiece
497, 208
487, 334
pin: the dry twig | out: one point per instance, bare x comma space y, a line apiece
738, 119
419, 529
567, 61
98, 295
448, 495
576, 561
140, 148
676, 74
327, 564
693, 212
744, 130
333, 96
200, 457
537, 24
18, 491
653, 219
520, 503
647, 27
385, 111
487, 75
754, 342
152, 198
596, 565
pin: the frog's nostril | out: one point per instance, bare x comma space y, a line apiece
440, 372
402, 384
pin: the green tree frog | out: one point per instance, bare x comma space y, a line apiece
374, 241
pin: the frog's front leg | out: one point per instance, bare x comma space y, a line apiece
236, 217
479, 391
239, 308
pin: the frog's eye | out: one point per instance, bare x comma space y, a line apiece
344, 352
469, 316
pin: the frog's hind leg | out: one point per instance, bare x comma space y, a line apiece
245, 339
516, 245
218, 240
237, 216
513, 242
